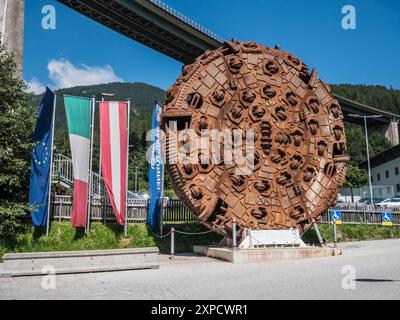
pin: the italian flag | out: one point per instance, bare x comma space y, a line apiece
114, 151
78, 111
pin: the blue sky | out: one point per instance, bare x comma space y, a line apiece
81, 51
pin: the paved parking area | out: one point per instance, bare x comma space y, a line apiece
366, 270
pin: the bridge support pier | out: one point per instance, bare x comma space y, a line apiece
391, 131
12, 28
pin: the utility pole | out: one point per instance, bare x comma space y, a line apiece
12, 28
375, 116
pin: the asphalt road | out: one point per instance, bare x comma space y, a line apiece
366, 270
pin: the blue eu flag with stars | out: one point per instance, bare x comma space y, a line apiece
40, 185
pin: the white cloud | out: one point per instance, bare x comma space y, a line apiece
63, 74
36, 86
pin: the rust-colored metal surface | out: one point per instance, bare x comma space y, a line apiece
299, 142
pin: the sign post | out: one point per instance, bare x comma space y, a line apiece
336, 216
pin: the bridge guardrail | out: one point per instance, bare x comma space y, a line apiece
186, 20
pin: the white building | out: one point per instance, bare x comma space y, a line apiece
385, 169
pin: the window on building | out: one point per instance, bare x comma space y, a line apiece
378, 176
387, 174
398, 188
372, 179
396, 171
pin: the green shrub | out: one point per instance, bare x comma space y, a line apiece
11, 220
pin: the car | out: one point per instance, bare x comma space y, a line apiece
367, 201
390, 202
143, 195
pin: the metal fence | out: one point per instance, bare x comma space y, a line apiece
174, 211
366, 215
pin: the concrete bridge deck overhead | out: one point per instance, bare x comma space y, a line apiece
151, 23
353, 107
388, 123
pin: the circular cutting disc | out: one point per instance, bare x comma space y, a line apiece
299, 159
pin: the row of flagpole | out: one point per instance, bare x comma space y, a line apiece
114, 119
90, 176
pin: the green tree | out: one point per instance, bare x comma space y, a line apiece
16, 124
355, 136
356, 178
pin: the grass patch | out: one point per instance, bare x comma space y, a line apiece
348, 232
64, 237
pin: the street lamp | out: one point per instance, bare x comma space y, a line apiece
104, 94
375, 116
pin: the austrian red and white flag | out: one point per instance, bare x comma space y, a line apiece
113, 144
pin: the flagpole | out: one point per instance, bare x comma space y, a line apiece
162, 176
162, 200
90, 187
127, 167
51, 165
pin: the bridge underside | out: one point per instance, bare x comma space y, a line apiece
148, 24
388, 123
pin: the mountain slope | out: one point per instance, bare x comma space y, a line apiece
374, 96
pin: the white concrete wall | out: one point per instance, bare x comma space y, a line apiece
393, 180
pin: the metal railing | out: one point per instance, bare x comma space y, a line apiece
101, 210
175, 211
186, 20
62, 170
365, 215
63, 173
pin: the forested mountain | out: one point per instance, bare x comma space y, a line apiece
142, 100
374, 96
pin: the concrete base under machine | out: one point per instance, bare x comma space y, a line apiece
265, 254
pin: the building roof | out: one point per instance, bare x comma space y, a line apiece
386, 156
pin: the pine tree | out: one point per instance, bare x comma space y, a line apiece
16, 125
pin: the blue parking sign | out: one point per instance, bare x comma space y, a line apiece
336, 216
387, 219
